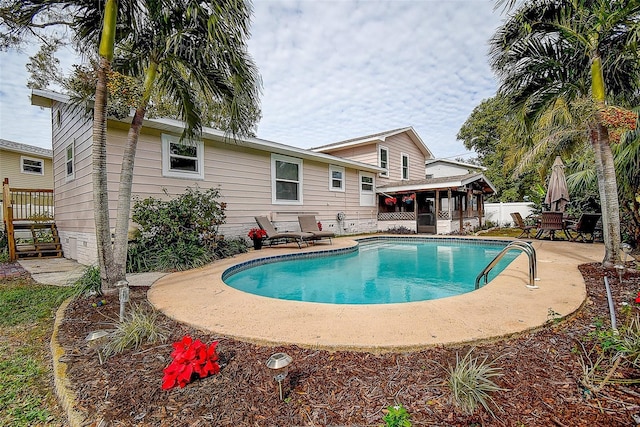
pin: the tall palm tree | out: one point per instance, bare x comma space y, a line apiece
551, 51
185, 48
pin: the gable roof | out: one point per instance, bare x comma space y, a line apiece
438, 183
455, 163
378, 137
44, 98
25, 149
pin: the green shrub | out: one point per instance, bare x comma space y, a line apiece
229, 247
471, 382
176, 234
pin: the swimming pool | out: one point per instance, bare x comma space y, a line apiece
377, 271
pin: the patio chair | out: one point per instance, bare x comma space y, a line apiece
519, 222
551, 222
586, 225
309, 224
274, 237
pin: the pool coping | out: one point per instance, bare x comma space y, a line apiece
502, 308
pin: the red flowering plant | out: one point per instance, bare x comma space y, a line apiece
257, 233
319, 226
638, 298
390, 201
190, 358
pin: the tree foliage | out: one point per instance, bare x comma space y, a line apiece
489, 131
550, 55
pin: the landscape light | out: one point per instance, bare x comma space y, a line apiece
279, 363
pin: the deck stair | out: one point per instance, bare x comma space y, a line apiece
27, 220
37, 239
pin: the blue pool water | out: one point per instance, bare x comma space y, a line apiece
378, 272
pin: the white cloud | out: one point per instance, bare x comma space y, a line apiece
334, 70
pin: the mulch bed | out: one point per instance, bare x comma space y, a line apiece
542, 373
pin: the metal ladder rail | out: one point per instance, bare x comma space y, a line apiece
516, 244
527, 248
531, 252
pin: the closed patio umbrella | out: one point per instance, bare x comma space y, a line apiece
557, 192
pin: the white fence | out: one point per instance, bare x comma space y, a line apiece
499, 213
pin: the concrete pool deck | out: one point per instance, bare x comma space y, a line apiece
503, 307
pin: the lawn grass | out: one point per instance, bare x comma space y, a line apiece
501, 232
26, 321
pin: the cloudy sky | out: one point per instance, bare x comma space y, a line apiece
334, 70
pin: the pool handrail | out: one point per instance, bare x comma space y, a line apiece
525, 247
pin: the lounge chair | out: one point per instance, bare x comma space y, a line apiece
274, 237
519, 222
586, 225
309, 224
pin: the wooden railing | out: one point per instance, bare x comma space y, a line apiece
21, 204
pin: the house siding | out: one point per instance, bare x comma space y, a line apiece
73, 198
401, 144
397, 145
242, 174
366, 153
10, 168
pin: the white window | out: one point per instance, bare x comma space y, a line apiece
367, 189
182, 159
70, 162
336, 178
405, 165
384, 160
286, 180
31, 166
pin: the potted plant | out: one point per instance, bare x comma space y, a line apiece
257, 234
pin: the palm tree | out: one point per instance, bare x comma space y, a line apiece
627, 160
562, 51
184, 48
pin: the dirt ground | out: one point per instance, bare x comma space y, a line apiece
542, 377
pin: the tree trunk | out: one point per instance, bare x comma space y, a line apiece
99, 155
99, 175
605, 167
126, 175
608, 188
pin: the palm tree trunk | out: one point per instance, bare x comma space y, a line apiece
605, 168
126, 175
99, 154
608, 188
99, 175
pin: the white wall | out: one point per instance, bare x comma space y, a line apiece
499, 213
